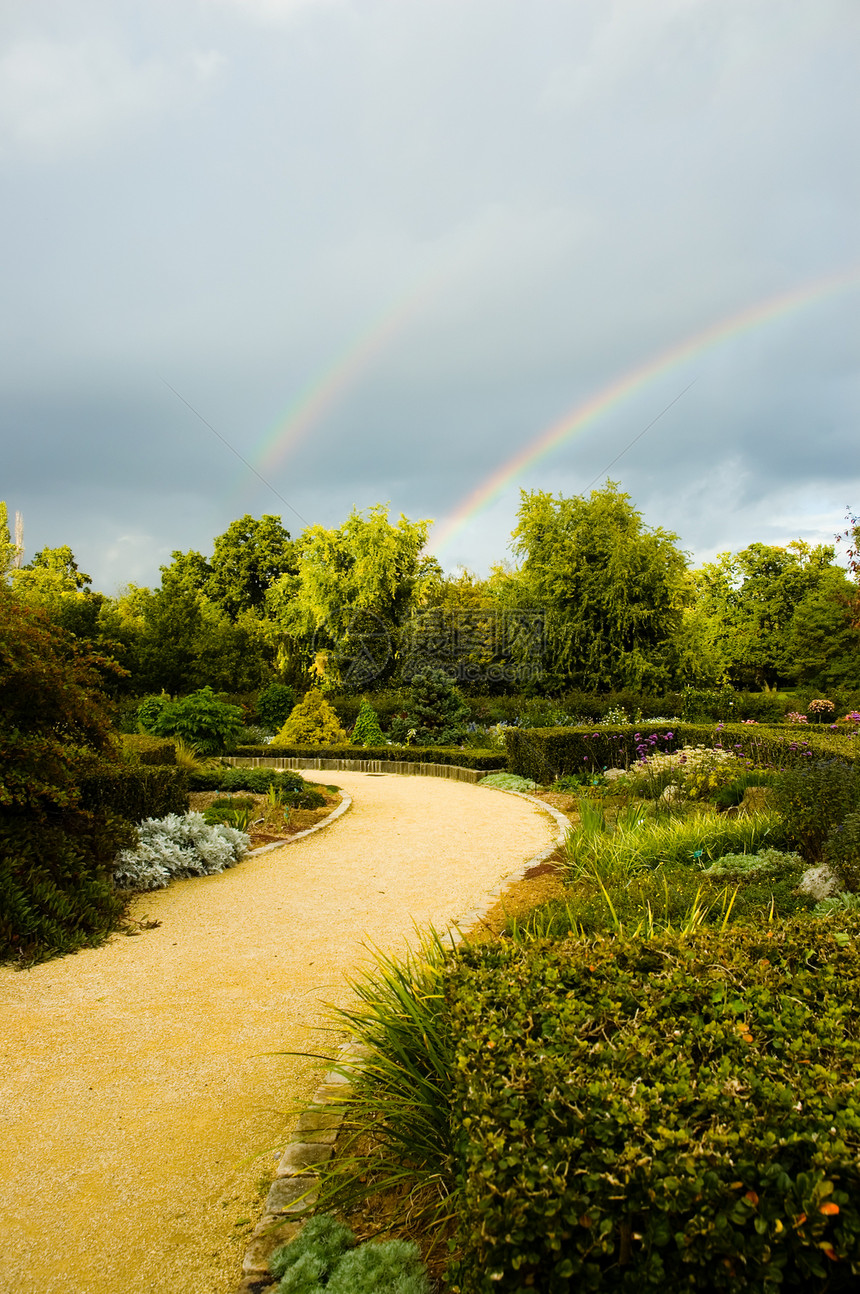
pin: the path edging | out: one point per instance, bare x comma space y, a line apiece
313, 1139
345, 803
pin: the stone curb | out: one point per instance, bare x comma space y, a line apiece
345, 803
313, 1139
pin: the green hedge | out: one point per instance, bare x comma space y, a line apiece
143, 749
545, 753
468, 758
256, 780
137, 791
666, 1114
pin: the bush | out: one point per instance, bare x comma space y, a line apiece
257, 780
508, 782
200, 718
149, 709
136, 791
842, 851
814, 799
274, 704
435, 712
596, 1157
173, 847
142, 749
312, 722
367, 731
55, 729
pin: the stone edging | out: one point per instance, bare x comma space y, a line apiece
312, 1141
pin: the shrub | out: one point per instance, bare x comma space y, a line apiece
595, 1157
367, 731
55, 729
149, 710
312, 722
814, 799
143, 749
257, 780
842, 851
136, 791
211, 725
175, 846
435, 712
274, 704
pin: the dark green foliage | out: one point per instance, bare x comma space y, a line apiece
55, 851
470, 758
814, 798
436, 713
842, 851
367, 731
149, 710
665, 1114
136, 791
274, 704
142, 749
257, 780
200, 718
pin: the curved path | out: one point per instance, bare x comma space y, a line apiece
139, 1109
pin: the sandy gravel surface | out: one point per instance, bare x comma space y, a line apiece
139, 1111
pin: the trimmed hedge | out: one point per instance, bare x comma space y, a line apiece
144, 749
463, 758
546, 753
665, 1114
137, 791
256, 780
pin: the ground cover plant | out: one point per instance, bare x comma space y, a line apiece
325, 1256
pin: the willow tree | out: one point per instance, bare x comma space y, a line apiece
353, 589
611, 588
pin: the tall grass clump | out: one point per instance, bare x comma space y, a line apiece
643, 844
397, 1131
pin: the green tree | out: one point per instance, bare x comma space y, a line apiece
353, 589
9, 551
312, 722
753, 601
612, 589
55, 730
367, 731
436, 713
247, 560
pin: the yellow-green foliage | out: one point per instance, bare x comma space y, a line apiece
312, 722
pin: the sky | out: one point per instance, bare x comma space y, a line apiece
305, 256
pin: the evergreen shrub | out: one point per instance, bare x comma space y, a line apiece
312, 722
367, 731
136, 791
274, 704
436, 713
660, 1114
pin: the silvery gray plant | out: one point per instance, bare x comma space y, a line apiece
177, 846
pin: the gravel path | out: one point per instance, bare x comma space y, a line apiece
139, 1109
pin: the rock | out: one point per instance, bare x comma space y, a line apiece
819, 882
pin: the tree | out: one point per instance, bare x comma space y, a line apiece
435, 712
312, 722
753, 600
246, 561
54, 732
352, 591
612, 589
9, 550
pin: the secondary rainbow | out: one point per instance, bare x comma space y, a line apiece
584, 415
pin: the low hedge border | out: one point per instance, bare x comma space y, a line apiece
643, 1115
546, 753
140, 748
488, 760
137, 791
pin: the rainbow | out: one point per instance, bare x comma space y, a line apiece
583, 416
318, 396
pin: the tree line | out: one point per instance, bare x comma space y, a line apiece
596, 600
